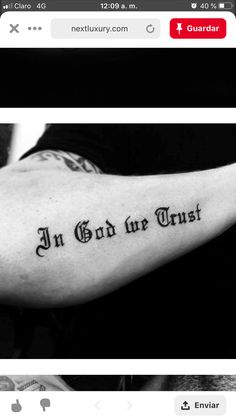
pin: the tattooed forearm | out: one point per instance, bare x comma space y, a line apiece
10, 384
83, 232
69, 160
6, 384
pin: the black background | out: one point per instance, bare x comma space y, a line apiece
186, 309
117, 78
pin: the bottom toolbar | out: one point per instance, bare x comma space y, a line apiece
122, 405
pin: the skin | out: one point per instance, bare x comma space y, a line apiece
53, 193
32, 383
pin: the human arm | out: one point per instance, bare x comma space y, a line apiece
67, 237
33, 383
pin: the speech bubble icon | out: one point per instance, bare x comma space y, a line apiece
45, 403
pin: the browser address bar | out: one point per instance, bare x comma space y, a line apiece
105, 28
116, 30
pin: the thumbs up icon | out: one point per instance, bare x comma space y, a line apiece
16, 407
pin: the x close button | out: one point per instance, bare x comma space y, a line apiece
14, 28
198, 28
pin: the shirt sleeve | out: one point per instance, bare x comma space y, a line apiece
142, 149
95, 142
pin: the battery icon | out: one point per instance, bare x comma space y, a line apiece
226, 6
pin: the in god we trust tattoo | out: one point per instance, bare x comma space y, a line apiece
83, 231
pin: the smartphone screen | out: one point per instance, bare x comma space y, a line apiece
117, 208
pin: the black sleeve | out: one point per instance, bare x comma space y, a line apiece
98, 143
142, 149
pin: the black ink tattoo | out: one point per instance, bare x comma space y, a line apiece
99, 233
165, 218
110, 230
58, 240
83, 233
32, 386
45, 239
133, 226
6, 384
69, 160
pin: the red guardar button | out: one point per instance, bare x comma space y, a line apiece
198, 28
